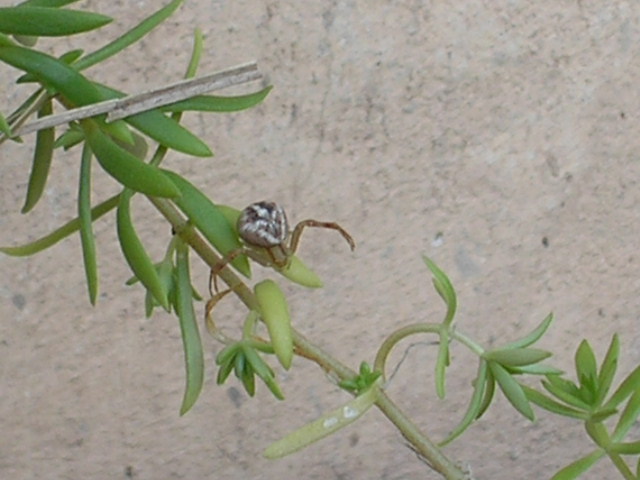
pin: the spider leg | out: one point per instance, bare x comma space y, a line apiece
208, 319
228, 258
297, 232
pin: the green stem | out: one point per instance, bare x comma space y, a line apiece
622, 466
397, 336
418, 440
468, 342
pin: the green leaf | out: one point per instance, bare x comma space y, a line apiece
64, 231
224, 371
27, 41
533, 336
86, 231
626, 388
512, 390
53, 73
444, 288
127, 169
261, 369
68, 57
227, 354
577, 468
442, 362
196, 54
209, 220
194, 358
536, 369
628, 416
516, 357
479, 388
48, 22
70, 138
135, 253
164, 130
586, 366
41, 161
298, 272
248, 378
489, 392
602, 414
274, 311
128, 38
4, 126
47, 3
551, 405
629, 448
324, 426
212, 103
138, 148
566, 391
608, 369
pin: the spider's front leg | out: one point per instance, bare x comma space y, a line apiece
260, 257
297, 232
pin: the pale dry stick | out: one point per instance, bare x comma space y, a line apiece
141, 102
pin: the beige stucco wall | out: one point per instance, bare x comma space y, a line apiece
468, 131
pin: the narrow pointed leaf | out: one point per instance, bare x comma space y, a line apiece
275, 314
298, 272
64, 231
209, 220
512, 390
130, 37
125, 167
4, 126
212, 103
135, 253
628, 416
444, 288
608, 368
533, 336
47, 3
442, 362
41, 161
628, 448
489, 391
626, 388
196, 55
516, 357
48, 22
69, 139
52, 72
565, 391
577, 468
536, 369
324, 426
585, 362
86, 226
553, 406
475, 403
161, 128
193, 355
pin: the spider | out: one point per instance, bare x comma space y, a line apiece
264, 229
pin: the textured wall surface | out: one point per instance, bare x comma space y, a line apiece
500, 138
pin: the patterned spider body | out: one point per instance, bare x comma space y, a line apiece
264, 224
264, 229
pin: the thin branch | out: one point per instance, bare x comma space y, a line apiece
141, 102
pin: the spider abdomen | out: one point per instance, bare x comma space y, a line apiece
263, 224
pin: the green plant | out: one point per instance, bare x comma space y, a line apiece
210, 230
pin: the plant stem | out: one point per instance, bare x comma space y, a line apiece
418, 440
